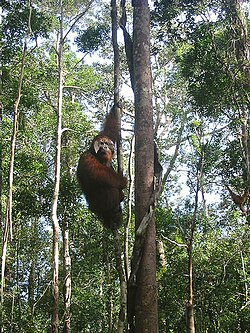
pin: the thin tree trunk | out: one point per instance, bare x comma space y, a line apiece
18, 292
1, 210
67, 276
161, 251
146, 316
189, 305
116, 51
1, 150
32, 273
66, 246
244, 273
31, 286
107, 300
130, 201
190, 321
8, 220
55, 223
122, 280
118, 254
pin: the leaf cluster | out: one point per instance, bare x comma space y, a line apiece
18, 24
90, 39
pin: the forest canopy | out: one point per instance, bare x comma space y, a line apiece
57, 85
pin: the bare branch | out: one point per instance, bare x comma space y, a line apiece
174, 242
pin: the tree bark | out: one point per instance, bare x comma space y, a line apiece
116, 51
1, 148
146, 316
189, 306
241, 52
117, 247
8, 220
67, 275
31, 286
122, 280
54, 217
161, 252
190, 319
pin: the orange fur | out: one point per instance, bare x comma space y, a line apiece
239, 200
101, 184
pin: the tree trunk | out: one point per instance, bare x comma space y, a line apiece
31, 286
122, 280
55, 223
8, 220
161, 252
146, 317
68, 208
108, 300
67, 276
116, 51
190, 322
241, 52
189, 306
1, 150
118, 254
240, 44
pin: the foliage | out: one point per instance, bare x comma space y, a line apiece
15, 26
92, 38
201, 100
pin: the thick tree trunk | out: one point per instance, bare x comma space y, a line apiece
239, 28
146, 317
241, 52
